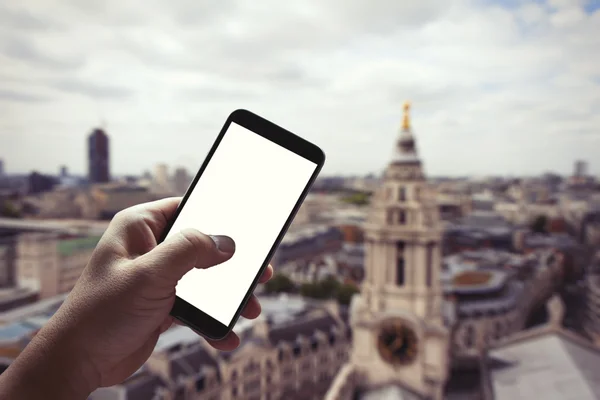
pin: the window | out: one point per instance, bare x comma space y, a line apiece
498, 330
331, 338
402, 217
297, 350
469, 336
400, 278
429, 267
402, 194
200, 384
390, 217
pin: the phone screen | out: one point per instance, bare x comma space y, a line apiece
247, 191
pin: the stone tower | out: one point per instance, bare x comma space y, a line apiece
398, 331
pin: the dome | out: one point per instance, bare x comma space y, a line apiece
406, 149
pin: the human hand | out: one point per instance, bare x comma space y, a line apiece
111, 321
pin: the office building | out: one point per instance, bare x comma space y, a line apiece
1, 168
98, 157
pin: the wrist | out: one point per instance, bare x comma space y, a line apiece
49, 368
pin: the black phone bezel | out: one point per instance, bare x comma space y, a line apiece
185, 312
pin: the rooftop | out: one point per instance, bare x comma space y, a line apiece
546, 365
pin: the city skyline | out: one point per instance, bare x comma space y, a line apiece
499, 87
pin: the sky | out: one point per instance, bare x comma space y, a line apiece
507, 87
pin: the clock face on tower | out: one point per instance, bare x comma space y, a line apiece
397, 342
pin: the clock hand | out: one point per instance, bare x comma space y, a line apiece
397, 343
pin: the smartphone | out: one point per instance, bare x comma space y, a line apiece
249, 187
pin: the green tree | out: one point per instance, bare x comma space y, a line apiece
280, 283
345, 293
359, 199
540, 224
329, 286
8, 210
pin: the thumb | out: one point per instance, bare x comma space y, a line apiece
185, 250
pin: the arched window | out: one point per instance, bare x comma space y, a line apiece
400, 267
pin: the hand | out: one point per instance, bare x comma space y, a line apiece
111, 321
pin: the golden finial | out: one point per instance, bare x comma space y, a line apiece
406, 119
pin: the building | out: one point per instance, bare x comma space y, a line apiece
545, 363
2, 168
581, 169
476, 230
181, 181
291, 352
8, 259
51, 263
307, 243
98, 157
13, 298
400, 343
591, 323
103, 202
161, 183
40, 183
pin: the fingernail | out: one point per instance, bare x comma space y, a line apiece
225, 244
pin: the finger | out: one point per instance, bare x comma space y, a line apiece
166, 324
266, 275
252, 309
229, 343
185, 250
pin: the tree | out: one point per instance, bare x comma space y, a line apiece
8, 210
280, 283
345, 293
539, 224
359, 199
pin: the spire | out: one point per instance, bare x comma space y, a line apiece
406, 119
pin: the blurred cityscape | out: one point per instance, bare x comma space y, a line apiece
387, 286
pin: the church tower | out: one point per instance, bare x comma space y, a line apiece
399, 336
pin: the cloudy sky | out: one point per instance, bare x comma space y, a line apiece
498, 87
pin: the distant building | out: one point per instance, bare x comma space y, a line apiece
109, 200
64, 171
39, 183
98, 157
1, 168
161, 182
581, 169
8, 259
308, 243
181, 181
51, 263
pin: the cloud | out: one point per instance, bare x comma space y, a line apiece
505, 87
24, 49
14, 96
98, 91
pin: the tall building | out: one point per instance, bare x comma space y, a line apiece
400, 343
1, 168
581, 169
181, 181
161, 184
98, 157
64, 171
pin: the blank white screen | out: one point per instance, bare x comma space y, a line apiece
247, 192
